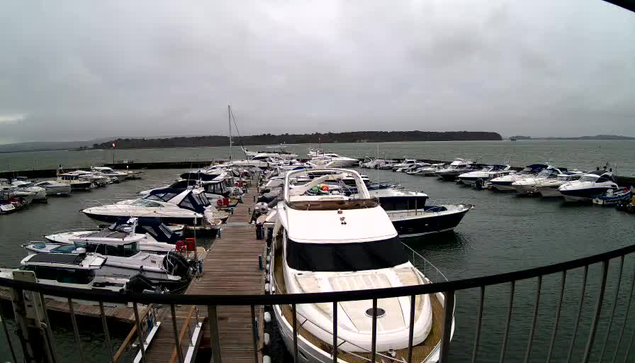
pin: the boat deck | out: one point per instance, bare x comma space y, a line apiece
231, 268
419, 352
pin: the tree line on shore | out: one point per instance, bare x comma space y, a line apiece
315, 138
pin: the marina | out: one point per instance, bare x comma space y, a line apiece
238, 333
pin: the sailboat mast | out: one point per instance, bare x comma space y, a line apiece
229, 117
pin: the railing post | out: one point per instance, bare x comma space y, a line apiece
447, 326
479, 323
140, 334
508, 321
598, 310
373, 332
177, 343
626, 313
577, 320
295, 333
212, 315
6, 332
254, 332
76, 330
104, 324
335, 331
615, 299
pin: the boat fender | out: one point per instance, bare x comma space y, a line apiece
267, 268
268, 257
266, 339
267, 316
266, 359
267, 287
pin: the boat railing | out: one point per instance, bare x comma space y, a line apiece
595, 293
427, 268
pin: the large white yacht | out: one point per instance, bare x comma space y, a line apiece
332, 160
504, 183
480, 177
588, 186
548, 188
327, 241
527, 186
190, 207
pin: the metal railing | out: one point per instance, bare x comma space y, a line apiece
447, 288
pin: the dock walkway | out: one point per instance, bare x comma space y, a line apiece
230, 267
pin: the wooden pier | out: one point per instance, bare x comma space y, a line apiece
121, 314
230, 267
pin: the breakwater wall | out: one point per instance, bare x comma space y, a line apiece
51, 173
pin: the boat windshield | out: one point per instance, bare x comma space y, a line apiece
147, 203
589, 178
334, 257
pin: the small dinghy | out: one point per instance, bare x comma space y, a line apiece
612, 198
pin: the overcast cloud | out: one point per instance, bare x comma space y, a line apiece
76, 70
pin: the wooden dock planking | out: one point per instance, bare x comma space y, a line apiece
230, 268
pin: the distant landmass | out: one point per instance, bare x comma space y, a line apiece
49, 146
270, 139
596, 137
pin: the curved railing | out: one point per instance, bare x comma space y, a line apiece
447, 288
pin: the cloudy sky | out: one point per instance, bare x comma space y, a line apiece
77, 70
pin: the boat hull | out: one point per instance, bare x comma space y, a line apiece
190, 221
582, 195
427, 222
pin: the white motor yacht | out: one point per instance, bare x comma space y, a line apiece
457, 167
333, 242
65, 270
548, 188
411, 216
332, 160
430, 170
77, 180
403, 164
110, 173
504, 183
190, 207
54, 187
124, 259
22, 186
152, 235
528, 186
590, 185
478, 178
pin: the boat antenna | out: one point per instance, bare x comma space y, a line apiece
229, 120
240, 138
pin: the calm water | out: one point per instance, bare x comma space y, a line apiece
503, 233
572, 154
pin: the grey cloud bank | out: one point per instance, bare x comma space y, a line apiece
77, 70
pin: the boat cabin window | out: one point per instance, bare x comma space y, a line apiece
201, 199
402, 203
604, 178
332, 257
62, 275
126, 250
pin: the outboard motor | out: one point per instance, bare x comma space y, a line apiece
177, 265
140, 283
